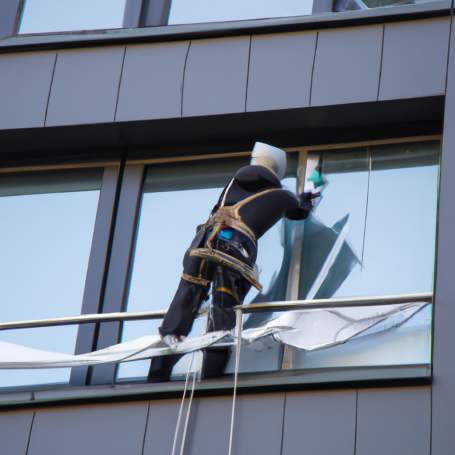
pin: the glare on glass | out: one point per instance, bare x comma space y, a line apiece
46, 16
201, 11
46, 226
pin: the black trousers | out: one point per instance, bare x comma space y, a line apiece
229, 289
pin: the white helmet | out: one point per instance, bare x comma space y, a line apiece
270, 157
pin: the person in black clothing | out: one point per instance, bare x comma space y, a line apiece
223, 255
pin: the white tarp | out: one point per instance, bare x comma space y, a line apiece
305, 329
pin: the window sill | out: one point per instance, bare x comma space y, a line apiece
22, 43
327, 378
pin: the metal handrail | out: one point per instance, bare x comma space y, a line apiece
255, 307
320, 304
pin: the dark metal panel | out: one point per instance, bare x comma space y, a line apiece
414, 59
216, 76
96, 268
24, 89
85, 86
114, 429
161, 426
152, 80
258, 424
8, 13
320, 423
393, 421
347, 66
117, 284
132, 13
279, 75
155, 12
443, 391
14, 432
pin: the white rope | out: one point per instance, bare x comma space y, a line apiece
181, 407
236, 375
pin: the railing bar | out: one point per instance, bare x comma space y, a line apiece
335, 303
84, 319
277, 306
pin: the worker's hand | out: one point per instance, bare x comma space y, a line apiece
307, 200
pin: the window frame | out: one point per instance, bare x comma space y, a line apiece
108, 280
97, 263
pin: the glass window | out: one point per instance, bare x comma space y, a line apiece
201, 11
46, 16
372, 233
46, 224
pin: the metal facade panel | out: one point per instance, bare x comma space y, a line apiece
161, 426
209, 426
443, 391
347, 66
85, 86
393, 421
258, 424
320, 423
216, 76
114, 429
24, 88
279, 75
152, 80
14, 432
414, 59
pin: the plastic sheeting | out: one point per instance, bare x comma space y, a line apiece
305, 329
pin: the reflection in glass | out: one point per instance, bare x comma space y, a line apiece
373, 231
201, 11
46, 16
46, 224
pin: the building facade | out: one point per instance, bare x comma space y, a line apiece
116, 142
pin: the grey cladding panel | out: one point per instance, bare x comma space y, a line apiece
14, 432
393, 422
209, 426
113, 430
319, 423
414, 59
280, 70
347, 66
258, 424
443, 391
161, 427
152, 79
24, 88
215, 77
85, 86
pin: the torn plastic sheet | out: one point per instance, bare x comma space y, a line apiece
305, 329
13, 356
321, 329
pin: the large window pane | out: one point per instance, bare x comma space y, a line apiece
199, 11
387, 210
371, 233
46, 224
45, 16
176, 199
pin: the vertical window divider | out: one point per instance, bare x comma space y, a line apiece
119, 271
96, 270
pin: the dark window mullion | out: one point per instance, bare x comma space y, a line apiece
120, 265
96, 270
